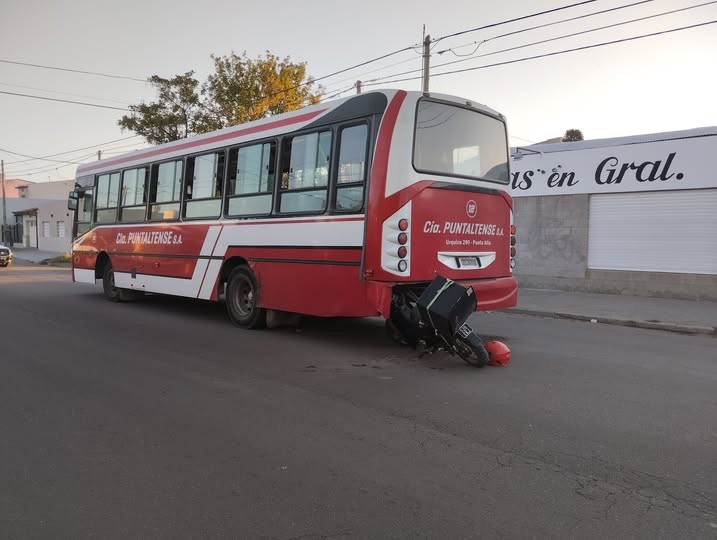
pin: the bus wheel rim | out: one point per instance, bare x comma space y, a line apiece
244, 298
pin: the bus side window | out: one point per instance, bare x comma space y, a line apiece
351, 173
251, 180
107, 198
165, 190
204, 186
305, 164
133, 202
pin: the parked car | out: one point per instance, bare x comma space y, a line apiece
5, 255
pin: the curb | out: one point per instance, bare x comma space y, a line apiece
43, 262
667, 327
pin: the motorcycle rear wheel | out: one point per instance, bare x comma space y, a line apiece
472, 351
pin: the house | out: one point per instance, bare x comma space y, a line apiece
37, 216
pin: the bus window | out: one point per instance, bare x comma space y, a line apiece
84, 212
205, 181
251, 179
351, 175
455, 141
166, 188
107, 198
134, 195
305, 173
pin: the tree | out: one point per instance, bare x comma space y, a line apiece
239, 90
572, 135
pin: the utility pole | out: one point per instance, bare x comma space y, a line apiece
358, 87
4, 208
426, 62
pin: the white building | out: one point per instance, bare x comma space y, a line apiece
39, 215
634, 215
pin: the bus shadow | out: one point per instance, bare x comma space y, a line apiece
363, 340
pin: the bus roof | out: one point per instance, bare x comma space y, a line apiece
337, 110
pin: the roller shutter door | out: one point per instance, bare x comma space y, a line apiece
657, 231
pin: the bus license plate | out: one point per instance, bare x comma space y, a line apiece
468, 262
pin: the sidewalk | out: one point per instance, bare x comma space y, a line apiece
685, 316
33, 255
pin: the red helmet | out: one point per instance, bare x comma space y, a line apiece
498, 352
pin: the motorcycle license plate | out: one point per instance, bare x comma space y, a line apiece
468, 262
464, 331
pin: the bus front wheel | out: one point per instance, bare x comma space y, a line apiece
242, 299
112, 293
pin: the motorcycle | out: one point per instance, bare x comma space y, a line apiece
434, 319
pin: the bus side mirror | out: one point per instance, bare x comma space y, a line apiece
72, 201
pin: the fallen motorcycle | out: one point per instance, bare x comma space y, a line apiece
435, 318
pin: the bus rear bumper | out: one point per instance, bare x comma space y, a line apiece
492, 294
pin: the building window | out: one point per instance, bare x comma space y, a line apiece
46, 229
251, 179
205, 182
60, 229
166, 189
305, 173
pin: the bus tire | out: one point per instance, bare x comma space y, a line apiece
112, 293
242, 297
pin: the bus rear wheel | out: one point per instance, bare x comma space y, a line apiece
242, 299
112, 293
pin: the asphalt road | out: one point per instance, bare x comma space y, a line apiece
160, 419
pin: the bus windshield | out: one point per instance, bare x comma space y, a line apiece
455, 141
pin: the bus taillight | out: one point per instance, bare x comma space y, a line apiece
513, 241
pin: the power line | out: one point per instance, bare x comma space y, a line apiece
64, 101
62, 93
74, 70
31, 157
75, 150
570, 19
358, 76
556, 53
574, 34
76, 161
323, 77
522, 139
45, 168
337, 94
371, 61
500, 23
307, 83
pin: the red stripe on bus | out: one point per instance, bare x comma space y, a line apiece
216, 138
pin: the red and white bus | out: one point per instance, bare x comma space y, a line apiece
330, 210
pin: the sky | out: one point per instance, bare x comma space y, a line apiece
662, 83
